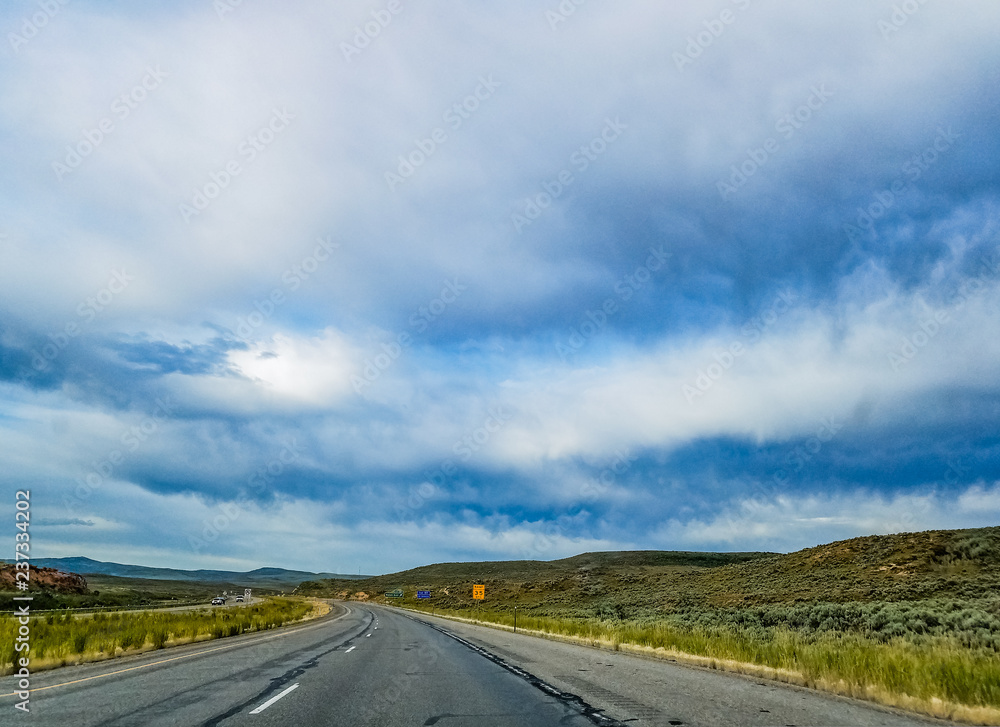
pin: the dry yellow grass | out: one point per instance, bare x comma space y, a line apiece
873, 672
62, 639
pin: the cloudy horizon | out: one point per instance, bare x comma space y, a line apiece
374, 285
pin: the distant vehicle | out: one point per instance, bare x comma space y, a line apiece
239, 599
218, 601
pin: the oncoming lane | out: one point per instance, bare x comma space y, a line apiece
364, 666
187, 685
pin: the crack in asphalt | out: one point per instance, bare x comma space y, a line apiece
280, 681
574, 701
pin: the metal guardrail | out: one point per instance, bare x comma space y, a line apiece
102, 609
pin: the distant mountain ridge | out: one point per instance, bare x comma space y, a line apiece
258, 576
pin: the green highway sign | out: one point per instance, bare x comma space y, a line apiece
398, 593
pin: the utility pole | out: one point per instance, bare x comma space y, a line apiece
515, 619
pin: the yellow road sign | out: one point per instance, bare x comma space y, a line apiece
479, 592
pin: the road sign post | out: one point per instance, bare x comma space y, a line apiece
478, 594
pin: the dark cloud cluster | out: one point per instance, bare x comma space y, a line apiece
628, 284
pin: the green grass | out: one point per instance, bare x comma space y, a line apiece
62, 638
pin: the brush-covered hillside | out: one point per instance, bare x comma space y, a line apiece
905, 567
910, 620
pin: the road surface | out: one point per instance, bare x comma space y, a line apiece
368, 665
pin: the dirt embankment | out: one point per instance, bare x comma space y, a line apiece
43, 579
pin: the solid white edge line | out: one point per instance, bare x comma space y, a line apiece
350, 650
274, 699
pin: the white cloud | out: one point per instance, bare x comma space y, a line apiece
323, 176
792, 522
813, 365
308, 372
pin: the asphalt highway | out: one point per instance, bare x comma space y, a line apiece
366, 665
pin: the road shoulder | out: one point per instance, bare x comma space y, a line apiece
656, 691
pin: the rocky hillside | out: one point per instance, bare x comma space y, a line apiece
43, 579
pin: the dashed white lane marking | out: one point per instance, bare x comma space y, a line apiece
274, 699
350, 650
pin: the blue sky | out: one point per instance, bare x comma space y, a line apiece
342, 286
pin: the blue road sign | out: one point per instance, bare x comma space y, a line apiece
423, 594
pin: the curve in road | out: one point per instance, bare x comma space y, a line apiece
369, 665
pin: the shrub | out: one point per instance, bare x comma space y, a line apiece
159, 638
128, 639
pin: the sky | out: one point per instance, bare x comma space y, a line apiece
361, 286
